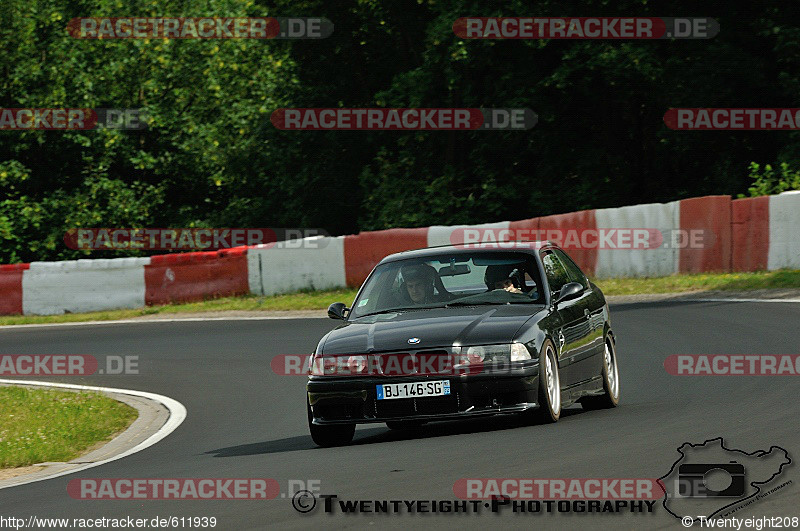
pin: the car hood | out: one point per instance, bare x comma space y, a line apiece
435, 328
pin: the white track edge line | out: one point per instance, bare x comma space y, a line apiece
177, 414
277, 317
175, 320
743, 300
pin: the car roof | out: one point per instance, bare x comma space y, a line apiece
472, 248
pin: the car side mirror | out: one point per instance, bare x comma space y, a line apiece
571, 290
338, 310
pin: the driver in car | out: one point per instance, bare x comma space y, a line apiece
419, 282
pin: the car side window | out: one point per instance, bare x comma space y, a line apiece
555, 271
575, 273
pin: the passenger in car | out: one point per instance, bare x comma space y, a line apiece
502, 277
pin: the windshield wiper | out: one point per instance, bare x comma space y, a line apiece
471, 303
394, 310
477, 303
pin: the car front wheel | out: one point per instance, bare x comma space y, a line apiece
333, 435
549, 409
610, 374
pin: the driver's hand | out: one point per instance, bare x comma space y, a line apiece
512, 289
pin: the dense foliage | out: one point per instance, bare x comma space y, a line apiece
212, 158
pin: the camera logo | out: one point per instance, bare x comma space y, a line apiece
709, 478
703, 480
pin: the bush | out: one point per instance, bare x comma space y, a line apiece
770, 182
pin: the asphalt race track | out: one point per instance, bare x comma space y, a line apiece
245, 421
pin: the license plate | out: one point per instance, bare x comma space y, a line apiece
413, 389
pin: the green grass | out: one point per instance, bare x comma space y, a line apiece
305, 300
701, 282
319, 300
40, 425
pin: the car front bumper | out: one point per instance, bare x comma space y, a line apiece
348, 400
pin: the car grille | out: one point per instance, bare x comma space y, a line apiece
415, 363
420, 364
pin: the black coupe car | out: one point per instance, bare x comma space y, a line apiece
456, 332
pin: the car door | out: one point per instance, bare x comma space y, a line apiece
587, 356
573, 321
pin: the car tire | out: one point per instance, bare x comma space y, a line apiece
549, 409
610, 374
404, 424
333, 435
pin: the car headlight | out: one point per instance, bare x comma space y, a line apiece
487, 353
317, 365
338, 365
519, 352
491, 353
357, 364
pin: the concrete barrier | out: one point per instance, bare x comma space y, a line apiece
705, 224
11, 288
363, 251
284, 267
196, 276
661, 261
561, 224
748, 235
454, 234
784, 231
83, 285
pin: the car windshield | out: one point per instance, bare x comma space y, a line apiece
450, 280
